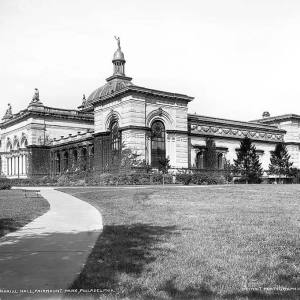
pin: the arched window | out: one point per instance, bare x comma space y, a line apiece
158, 143
57, 163
66, 160
115, 140
220, 161
200, 160
84, 159
75, 159
115, 136
75, 155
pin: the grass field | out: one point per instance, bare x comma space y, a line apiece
195, 242
16, 210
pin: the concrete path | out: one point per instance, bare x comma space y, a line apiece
49, 252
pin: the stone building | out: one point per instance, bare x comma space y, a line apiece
42, 140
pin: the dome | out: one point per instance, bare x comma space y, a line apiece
119, 55
109, 88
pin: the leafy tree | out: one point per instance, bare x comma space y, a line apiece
126, 160
280, 164
228, 170
247, 163
295, 173
210, 155
146, 166
164, 165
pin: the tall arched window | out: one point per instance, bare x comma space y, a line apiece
75, 159
84, 158
200, 160
66, 160
220, 161
158, 143
115, 140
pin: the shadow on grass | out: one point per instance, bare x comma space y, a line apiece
8, 225
120, 249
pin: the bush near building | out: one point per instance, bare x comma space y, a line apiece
280, 164
247, 164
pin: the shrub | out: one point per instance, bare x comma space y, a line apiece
63, 180
200, 178
5, 186
184, 178
156, 178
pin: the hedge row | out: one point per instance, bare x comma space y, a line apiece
5, 186
83, 179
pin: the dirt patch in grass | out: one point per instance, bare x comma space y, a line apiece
195, 242
16, 210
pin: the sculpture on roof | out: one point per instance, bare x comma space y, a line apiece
83, 100
118, 41
8, 113
36, 96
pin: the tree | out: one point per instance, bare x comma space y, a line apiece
126, 160
164, 165
280, 164
210, 155
247, 163
228, 170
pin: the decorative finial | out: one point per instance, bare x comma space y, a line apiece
118, 41
36, 96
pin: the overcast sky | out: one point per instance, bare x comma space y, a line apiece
237, 58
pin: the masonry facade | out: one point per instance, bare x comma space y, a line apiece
41, 140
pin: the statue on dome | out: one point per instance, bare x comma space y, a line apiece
36, 96
118, 41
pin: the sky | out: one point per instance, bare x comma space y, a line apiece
237, 58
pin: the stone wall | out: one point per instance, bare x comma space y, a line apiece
135, 114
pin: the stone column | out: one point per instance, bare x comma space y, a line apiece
18, 165
25, 164
7, 168
14, 165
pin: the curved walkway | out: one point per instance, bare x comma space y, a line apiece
49, 252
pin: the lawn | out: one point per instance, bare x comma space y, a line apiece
16, 210
195, 242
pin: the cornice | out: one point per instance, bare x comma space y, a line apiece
177, 131
103, 133
203, 147
292, 143
236, 137
204, 120
72, 143
39, 146
45, 111
278, 118
134, 127
143, 90
222, 128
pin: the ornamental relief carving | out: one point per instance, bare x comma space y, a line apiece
219, 131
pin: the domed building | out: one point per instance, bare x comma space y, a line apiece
42, 140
